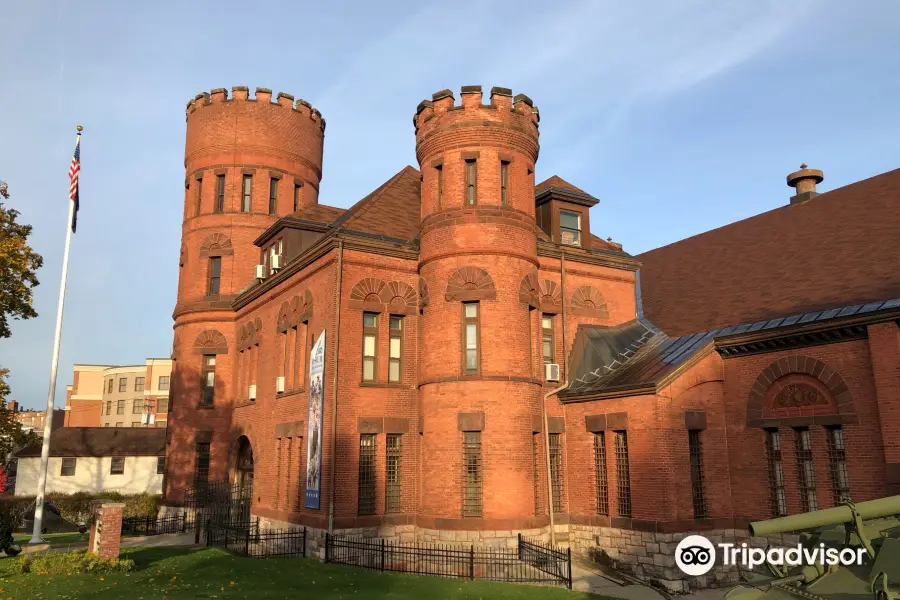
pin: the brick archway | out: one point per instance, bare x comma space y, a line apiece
799, 390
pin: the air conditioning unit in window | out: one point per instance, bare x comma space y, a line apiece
251, 393
279, 385
260, 272
276, 262
551, 372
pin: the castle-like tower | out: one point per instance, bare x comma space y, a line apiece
477, 384
248, 161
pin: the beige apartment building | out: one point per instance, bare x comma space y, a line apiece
119, 396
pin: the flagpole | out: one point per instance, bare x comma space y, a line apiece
54, 365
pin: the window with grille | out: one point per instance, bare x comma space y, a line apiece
366, 491
220, 193
209, 379
600, 473
273, 195
776, 473
139, 384
472, 474
160, 465
68, 467
392, 472
215, 276
504, 183
163, 383
547, 338
556, 471
471, 179
370, 345
395, 370
278, 474
837, 463
803, 450
117, 466
123, 384
162, 405
470, 337
695, 449
623, 479
247, 188
201, 467
536, 459
120, 407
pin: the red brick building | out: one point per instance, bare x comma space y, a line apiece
472, 317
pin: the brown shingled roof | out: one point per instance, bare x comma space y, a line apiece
319, 213
835, 249
102, 441
392, 210
558, 182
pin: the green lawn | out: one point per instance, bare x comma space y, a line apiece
54, 539
180, 573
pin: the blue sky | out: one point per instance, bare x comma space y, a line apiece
679, 116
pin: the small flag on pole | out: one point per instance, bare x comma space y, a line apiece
73, 178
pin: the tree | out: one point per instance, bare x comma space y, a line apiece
18, 267
12, 436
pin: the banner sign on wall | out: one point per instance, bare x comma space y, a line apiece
314, 423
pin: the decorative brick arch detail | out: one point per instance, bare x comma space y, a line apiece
366, 294
217, 244
249, 334
470, 283
301, 308
587, 301
800, 390
284, 317
234, 438
210, 341
550, 295
528, 291
424, 298
399, 298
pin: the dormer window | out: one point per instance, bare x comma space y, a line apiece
569, 228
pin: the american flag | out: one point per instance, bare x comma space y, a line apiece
73, 180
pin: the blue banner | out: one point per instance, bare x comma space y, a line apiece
314, 423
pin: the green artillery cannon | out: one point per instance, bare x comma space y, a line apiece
868, 530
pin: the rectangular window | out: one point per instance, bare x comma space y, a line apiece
623, 479
470, 337
569, 228
160, 465
162, 405
269, 256
209, 379
472, 475
161, 424
199, 197
504, 183
837, 464
109, 386
137, 407
163, 385
366, 492
547, 338
803, 450
395, 370
120, 407
220, 193
215, 273
440, 185
600, 473
117, 466
471, 179
201, 467
120, 424
297, 197
247, 188
123, 384
68, 467
392, 474
109, 407
695, 449
556, 471
370, 345
136, 423
776, 473
273, 195
139, 384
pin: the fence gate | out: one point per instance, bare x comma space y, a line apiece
221, 503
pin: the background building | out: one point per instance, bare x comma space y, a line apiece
119, 396
33, 420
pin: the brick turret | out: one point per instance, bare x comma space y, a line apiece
477, 245
233, 145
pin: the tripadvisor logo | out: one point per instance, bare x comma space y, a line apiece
695, 555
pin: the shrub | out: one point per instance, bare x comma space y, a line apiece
76, 507
66, 563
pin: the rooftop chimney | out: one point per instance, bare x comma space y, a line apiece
805, 181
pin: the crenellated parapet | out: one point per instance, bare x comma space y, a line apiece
241, 93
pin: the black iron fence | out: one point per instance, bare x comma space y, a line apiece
254, 542
154, 525
529, 562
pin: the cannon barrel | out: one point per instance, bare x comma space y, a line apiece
871, 509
